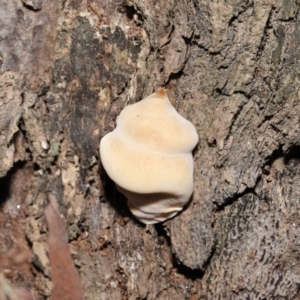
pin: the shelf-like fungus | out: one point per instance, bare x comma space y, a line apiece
149, 157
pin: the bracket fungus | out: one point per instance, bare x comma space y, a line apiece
149, 157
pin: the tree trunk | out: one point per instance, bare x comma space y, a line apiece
231, 68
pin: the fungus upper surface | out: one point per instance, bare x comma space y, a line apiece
149, 157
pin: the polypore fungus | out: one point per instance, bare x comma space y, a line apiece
149, 157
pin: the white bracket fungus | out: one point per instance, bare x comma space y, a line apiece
149, 157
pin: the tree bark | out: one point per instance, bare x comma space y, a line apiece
231, 68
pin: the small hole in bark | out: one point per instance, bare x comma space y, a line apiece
162, 236
293, 153
5, 182
4, 188
188, 272
175, 76
132, 13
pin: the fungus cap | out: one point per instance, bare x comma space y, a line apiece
149, 157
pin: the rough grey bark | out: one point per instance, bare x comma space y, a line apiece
232, 69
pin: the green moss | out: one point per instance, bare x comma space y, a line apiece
54, 149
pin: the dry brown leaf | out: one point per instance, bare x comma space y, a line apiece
66, 283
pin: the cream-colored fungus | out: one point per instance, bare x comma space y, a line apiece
149, 157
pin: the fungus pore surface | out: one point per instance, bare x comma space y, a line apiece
149, 157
